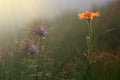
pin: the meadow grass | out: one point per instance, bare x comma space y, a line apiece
62, 55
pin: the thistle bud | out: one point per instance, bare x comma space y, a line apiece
32, 49
39, 31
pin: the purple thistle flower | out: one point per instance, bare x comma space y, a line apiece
32, 49
39, 31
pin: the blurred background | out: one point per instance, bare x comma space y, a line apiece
16, 16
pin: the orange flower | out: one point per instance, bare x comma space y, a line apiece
88, 15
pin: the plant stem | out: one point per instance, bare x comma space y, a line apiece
89, 40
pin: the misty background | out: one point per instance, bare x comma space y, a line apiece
17, 14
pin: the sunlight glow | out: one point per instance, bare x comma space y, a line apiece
16, 13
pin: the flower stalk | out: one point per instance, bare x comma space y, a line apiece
89, 39
89, 16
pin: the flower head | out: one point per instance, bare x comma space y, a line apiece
32, 49
88, 15
39, 31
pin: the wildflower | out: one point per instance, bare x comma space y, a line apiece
88, 37
32, 49
88, 15
39, 31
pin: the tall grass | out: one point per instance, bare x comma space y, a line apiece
63, 56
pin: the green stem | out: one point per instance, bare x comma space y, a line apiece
91, 42
89, 39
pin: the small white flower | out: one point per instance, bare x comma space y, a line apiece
88, 37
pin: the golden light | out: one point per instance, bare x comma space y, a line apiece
17, 13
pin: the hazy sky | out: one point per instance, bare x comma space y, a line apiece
18, 13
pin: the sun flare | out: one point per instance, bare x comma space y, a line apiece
16, 13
